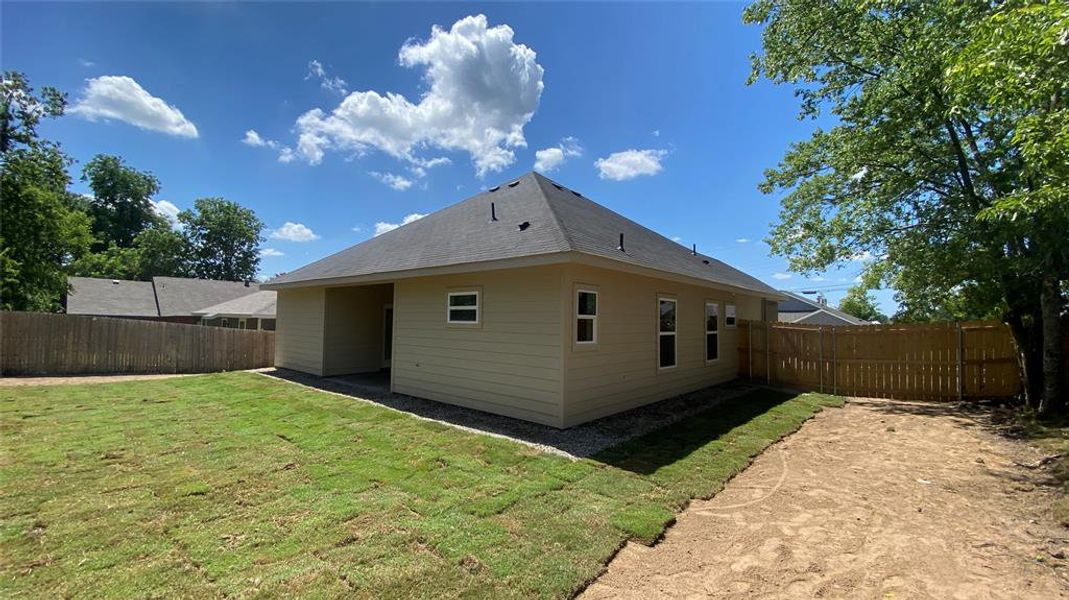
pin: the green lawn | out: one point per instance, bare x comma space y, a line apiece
237, 484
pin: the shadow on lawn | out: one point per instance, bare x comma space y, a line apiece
650, 452
695, 423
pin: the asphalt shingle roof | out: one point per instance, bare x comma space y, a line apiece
111, 297
559, 220
180, 296
257, 304
798, 307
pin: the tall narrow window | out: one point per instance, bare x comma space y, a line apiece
712, 333
729, 316
463, 307
586, 317
666, 333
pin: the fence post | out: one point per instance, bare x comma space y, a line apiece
768, 354
834, 363
820, 358
749, 347
961, 364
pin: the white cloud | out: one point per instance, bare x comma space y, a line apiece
381, 227
257, 141
860, 174
656, 133
358, 229
167, 210
294, 232
620, 166
863, 256
482, 89
818, 278
331, 84
85, 62
266, 252
742, 240
781, 276
548, 159
286, 155
397, 182
677, 239
123, 99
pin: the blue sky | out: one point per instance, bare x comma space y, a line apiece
642, 107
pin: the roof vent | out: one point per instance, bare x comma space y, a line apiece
558, 186
694, 250
495, 188
523, 226
246, 283
493, 213
621, 246
577, 193
115, 282
705, 260
514, 183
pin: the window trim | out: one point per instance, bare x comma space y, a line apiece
592, 318
477, 307
734, 316
705, 324
674, 333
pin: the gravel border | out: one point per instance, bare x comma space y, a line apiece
581, 441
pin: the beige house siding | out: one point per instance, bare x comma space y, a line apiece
509, 363
299, 334
621, 371
353, 328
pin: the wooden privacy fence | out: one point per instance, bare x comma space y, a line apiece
941, 361
56, 344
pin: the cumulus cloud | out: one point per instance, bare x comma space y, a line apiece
483, 88
742, 240
621, 166
266, 252
85, 62
331, 84
548, 159
781, 276
396, 182
167, 210
257, 141
294, 232
381, 227
120, 98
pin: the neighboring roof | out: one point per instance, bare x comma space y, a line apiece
259, 304
111, 297
796, 309
180, 296
559, 220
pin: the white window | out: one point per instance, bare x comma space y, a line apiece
712, 333
729, 316
463, 307
666, 333
586, 317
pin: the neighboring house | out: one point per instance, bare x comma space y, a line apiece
173, 299
527, 300
802, 310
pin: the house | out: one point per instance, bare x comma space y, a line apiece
527, 300
799, 309
175, 300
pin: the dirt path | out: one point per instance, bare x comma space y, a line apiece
882, 499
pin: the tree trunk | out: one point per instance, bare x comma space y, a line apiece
1030, 356
1051, 302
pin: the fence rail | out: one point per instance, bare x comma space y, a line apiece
57, 344
942, 361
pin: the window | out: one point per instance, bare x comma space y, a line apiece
463, 307
712, 334
729, 316
666, 333
586, 317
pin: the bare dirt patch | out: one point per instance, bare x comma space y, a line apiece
882, 499
8, 381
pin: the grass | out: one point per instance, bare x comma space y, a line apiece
237, 484
1050, 435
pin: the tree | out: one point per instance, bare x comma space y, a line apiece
225, 239
925, 166
861, 304
42, 229
122, 200
163, 252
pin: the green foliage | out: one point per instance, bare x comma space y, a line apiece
42, 228
112, 262
122, 200
272, 489
225, 239
860, 303
163, 252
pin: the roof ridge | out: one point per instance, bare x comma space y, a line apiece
539, 180
156, 297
